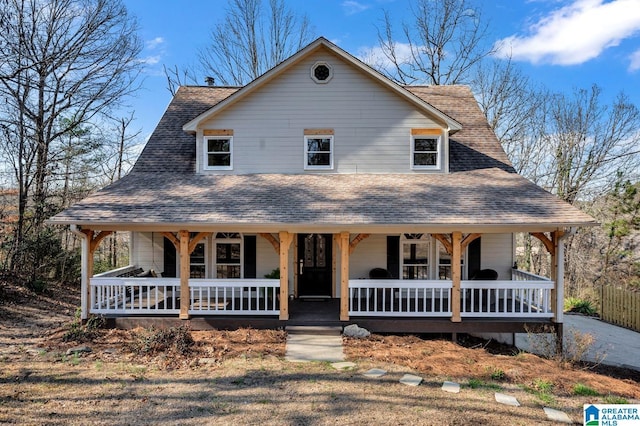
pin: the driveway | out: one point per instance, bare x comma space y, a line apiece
612, 345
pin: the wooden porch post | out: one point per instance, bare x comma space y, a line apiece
456, 246
89, 245
344, 275
285, 242
185, 273
554, 275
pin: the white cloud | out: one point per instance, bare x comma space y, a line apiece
375, 57
575, 33
155, 43
351, 7
151, 60
634, 65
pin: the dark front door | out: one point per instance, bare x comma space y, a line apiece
314, 265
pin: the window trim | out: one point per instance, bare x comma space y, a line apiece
313, 72
205, 149
438, 151
308, 166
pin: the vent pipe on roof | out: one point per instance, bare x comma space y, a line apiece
210, 81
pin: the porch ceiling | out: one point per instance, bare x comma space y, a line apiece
480, 200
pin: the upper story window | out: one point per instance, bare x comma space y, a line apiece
426, 148
218, 152
318, 149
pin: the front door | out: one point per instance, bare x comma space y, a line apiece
314, 265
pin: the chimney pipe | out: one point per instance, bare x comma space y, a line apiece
210, 81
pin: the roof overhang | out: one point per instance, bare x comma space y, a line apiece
451, 125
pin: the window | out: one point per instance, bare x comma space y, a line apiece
197, 263
228, 255
425, 152
218, 153
444, 263
318, 152
415, 257
321, 72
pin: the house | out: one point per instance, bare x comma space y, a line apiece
361, 200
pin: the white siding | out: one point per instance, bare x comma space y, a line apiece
266, 257
148, 251
370, 253
497, 254
371, 124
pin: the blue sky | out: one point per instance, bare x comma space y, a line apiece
562, 44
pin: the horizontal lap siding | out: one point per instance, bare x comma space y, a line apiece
147, 255
370, 253
371, 124
266, 257
497, 254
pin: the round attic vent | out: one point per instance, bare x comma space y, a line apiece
321, 72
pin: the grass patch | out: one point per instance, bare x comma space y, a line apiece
481, 384
615, 399
583, 390
542, 389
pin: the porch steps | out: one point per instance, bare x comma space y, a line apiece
314, 343
314, 330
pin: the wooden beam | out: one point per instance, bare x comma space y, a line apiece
185, 273
354, 243
546, 241
425, 132
468, 239
313, 132
444, 239
285, 241
456, 246
217, 132
554, 273
274, 242
174, 240
344, 276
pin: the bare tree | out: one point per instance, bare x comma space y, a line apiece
445, 40
62, 58
586, 144
249, 42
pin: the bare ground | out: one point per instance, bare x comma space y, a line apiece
241, 377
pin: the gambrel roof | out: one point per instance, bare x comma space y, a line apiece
481, 192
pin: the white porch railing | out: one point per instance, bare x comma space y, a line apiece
399, 298
508, 299
116, 295
150, 296
234, 297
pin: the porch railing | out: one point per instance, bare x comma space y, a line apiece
506, 299
234, 297
117, 295
150, 296
400, 298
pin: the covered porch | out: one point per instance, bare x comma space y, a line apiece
410, 305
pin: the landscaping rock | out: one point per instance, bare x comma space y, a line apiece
354, 331
78, 350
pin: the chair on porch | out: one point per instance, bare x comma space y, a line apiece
483, 275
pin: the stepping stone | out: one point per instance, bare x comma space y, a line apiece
507, 400
411, 380
451, 387
557, 416
375, 373
346, 365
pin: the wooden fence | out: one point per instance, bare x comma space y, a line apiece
620, 307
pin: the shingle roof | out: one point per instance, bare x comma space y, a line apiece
490, 197
482, 189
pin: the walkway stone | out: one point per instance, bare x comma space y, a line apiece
345, 365
375, 373
506, 399
411, 380
306, 344
557, 416
451, 387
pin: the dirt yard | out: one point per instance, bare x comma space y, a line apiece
240, 377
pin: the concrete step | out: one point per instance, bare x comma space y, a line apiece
314, 330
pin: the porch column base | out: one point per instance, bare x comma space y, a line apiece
456, 319
184, 316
